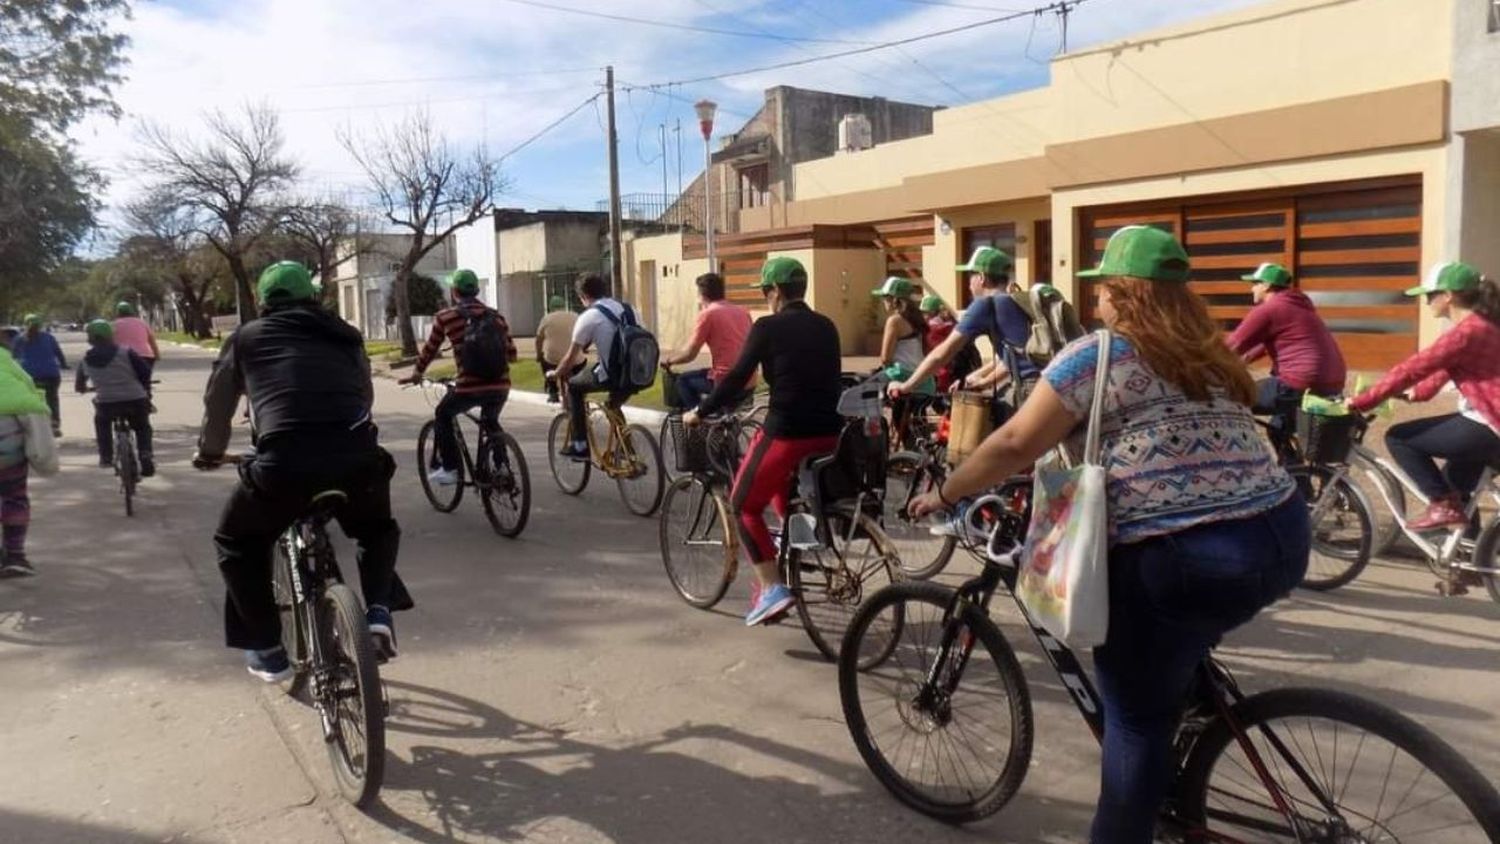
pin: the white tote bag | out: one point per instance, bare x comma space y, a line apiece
1064, 576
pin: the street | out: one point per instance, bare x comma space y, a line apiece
551, 688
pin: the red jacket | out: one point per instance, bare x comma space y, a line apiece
1303, 352
1468, 354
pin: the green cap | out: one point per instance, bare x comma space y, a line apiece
123, 308
1142, 252
464, 281
99, 329
931, 303
1274, 275
781, 270
285, 281
895, 286
987, 260
556, 303
32, 321
1450, 276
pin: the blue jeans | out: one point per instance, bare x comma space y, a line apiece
1466, 445
692, 387
1171, 598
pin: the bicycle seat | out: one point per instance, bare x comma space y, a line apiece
323, 505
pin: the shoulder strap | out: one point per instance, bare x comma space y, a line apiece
1096, 409
614, 320
627, 315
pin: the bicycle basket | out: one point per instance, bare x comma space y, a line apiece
1325, 439
669, 395
690, 444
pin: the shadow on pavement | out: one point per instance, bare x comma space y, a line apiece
43, 829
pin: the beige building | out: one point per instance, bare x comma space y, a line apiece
1355, 141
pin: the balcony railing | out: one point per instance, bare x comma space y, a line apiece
685, 212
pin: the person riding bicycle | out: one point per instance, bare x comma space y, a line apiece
1468, 354
483, 350
1205, 527
133, 333
593, 330
903, 345
41, 356
308, 380
797, 351
554, 334
940, 324
1284, 325
721, 326
122, 387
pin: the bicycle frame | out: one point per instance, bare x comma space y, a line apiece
615, 442
311, 565
1444, 553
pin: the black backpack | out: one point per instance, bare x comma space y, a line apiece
632, 360
482, 353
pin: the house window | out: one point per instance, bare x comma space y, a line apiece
754, 183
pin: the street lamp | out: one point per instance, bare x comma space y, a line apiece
706, 109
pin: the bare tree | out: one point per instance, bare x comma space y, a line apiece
326, 234
163, 238
230, 185
427, 189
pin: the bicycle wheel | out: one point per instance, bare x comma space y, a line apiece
1487, 556
642, 490
698, 542
831, 583
571, 475
1349, 769
668, 444
443, 499
353, 697
951, 741
128, 469
292, 637
1342, 531
1385, 489
921, 554
506, 491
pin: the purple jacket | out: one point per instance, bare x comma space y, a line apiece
1303, 352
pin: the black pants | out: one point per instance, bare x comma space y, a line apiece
551, 383
579, 386
452, 405
49, 387
274, 489
1466, 445
136, 413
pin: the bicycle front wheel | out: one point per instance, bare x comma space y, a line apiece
698, 542
1343, 527
830, 583
506, 491
642, 489
1345, 769
128, 468
922, 554
352, 697
444, 499
949, 736
571, 475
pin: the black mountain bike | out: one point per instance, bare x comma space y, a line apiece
499, 472
939, 710
127, 462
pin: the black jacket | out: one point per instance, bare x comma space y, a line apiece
797, 350
305, 371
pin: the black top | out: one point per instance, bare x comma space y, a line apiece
797, 350
305, 371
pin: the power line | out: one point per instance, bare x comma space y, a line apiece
958, 6
549, 127
681, 26
413, 80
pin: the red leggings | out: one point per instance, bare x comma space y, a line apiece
764, 478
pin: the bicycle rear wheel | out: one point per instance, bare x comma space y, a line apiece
952, 741
443, 499
353, 697
922, 555
128, 468
1349, 769
831, 583
506, 489
292, 635
1343, 527
642, 492
571, 475
698, 543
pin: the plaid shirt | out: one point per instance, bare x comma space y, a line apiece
1468, 354
448, 325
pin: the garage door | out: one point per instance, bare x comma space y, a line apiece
1354, 247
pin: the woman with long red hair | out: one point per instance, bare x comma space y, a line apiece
1205, 529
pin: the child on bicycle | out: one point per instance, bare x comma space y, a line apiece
122, 381
25, 443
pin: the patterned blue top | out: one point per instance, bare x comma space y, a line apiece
1170, 463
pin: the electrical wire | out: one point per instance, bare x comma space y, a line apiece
549, 127
681, 26
958, 6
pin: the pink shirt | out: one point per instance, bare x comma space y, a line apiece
134, 334
723, 327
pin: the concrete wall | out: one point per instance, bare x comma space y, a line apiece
476, 247
839, 288
672, 306
1476, 68
1479, 232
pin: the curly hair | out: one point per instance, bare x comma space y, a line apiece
1171, 330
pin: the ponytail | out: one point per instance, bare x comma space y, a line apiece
1483, 300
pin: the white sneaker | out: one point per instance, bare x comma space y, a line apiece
442, 477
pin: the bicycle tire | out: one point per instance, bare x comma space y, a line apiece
642, 494
518, 489
128, 468
858, 705
922, 555
699, 577
426, 448
1486, 548
668, 446
293, 638
1387, 529
828, 591
359, 781
1334, 563
1200, 802
564, 469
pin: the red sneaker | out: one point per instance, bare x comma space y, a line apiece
1441, 513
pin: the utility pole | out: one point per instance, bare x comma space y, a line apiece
616, 260
1062, 12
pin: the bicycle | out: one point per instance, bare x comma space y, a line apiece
127, 463
498, 473
696, 529
1266, 766
628, 453
750, 409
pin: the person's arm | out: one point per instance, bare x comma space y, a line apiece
1430, 386
695, 343
575, 356
220, 400
151, 339
541, 338
757, 349
81, 380
934, 361
142, 371
1424, 365
57, 349
888, 339
1252, 332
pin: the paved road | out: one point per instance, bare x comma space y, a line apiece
550, 689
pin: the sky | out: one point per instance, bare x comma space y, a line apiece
495, 72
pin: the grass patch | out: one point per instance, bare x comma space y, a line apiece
189, 340
527, 375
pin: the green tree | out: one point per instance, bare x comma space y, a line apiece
60, 59
424, 297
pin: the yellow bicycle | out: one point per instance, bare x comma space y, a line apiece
623, 451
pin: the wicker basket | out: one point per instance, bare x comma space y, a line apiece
1325, 439
971, 423
689, 444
